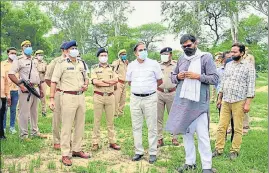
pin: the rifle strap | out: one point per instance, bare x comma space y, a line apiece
30, 70
85, 69
118, 66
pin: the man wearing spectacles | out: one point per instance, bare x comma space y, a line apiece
194, 73
144, 75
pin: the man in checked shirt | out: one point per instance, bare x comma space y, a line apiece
236, 92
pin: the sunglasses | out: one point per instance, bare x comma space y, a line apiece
188, 45
140, 50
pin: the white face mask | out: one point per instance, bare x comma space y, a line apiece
12, 57
103, 59
164, 58
74, 53
39, 58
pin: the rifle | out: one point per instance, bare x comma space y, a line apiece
30, 88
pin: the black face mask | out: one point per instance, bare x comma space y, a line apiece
236, 58
189, 51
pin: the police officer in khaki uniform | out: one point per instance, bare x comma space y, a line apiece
103, 78
42, 67
27, 69
56, 119
166, 92
120, 67
71, 76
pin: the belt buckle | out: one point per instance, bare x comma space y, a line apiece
79, 92
105, 94
165, 90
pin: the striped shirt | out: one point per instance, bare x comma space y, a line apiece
238, 82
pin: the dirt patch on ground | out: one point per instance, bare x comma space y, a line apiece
262, 89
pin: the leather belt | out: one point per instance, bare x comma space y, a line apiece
143, 95
121, 81
103, 94
167, 90
71, 92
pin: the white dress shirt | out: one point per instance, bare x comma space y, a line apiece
144, 76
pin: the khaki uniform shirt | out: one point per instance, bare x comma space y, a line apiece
69, 74
103, 73
22, 66
167, 70
4, 82
120, 68
250, 58
51, 67
12, 86
42, 67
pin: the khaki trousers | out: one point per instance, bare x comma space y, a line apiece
236, 110
43, 100
164, 100
56, 119
28, 110
140, 107
120, 97
100, 104
73, 112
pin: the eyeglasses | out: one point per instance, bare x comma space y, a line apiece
140, 50
188, 45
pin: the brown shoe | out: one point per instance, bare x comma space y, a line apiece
95, 147
114, 146
80, 154
245, 130
175, 142
66, 161
160, 143
57, 146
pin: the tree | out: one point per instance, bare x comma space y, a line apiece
73, 19
149, 33
26, 22
261, 6
183, 17
114, 12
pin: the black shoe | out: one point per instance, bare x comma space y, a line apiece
137, 157
186, 167
152, 159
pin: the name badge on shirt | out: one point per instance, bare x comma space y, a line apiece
99, 72
27, 64
70, 68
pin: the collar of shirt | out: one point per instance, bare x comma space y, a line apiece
104, 66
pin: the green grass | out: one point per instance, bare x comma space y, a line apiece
253, 154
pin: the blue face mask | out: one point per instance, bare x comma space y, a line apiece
143, 55
28, 51
124, 57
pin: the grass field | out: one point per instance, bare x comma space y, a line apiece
38, 156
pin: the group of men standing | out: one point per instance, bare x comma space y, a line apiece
181, 87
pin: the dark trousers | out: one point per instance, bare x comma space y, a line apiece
2, 113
